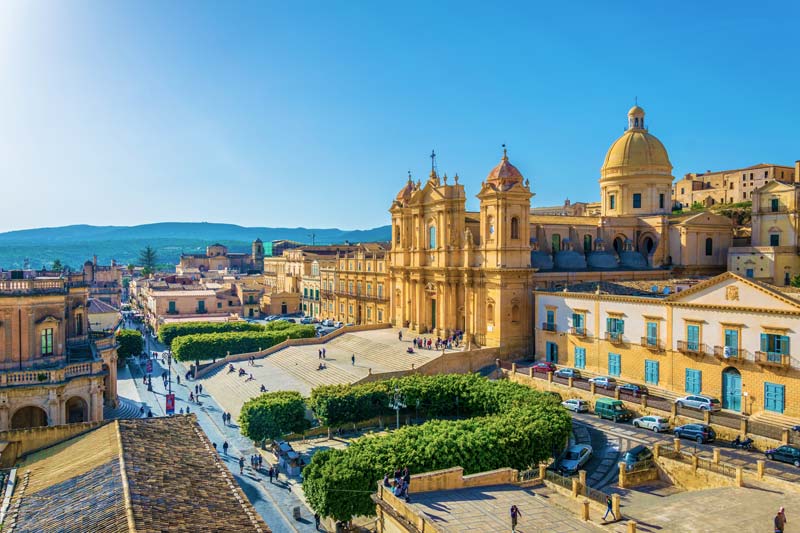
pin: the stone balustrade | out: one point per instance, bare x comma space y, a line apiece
51, 375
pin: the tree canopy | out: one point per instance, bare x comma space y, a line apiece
273, 415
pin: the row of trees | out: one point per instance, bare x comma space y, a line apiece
169, 332
510, 426
130, 343
204, 346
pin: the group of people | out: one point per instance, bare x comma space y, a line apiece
256, 461
453, 341
321, 353
399, 485
242, 372
226, 418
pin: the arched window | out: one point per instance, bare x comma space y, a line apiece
709, 246
514, 228
490, 313
432, 237
515, 313
397, 233
587, 243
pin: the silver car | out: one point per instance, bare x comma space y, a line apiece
576, 405
704, 403
655, 423
604, 382
575, 457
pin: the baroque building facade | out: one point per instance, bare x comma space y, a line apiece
452, 270
53, 368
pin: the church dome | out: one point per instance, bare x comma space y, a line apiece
636, 152
405, 193
504, 173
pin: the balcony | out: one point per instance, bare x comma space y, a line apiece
730, 354
692, 348
614, 337
52, 375
200, 311
579, 332
15, 287
548, 326
773, 359
652, 344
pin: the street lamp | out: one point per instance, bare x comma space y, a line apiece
397, 403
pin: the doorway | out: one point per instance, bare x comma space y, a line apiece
433, 314
731, 389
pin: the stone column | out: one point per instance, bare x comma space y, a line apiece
656, 450
622, 475
760, 468
676, 443
615, 506
715, 457
739, 476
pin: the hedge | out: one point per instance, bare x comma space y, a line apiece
130, 343
204, 346
168, 332
273, 415
514, 426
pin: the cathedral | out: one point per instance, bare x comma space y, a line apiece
452, 270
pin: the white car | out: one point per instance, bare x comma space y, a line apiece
655, 423
604, 382
575, 457
576, 405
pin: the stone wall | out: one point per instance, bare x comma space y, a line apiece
454, 478
24, 441
688, 477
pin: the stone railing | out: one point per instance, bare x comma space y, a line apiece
50, 375
31, 286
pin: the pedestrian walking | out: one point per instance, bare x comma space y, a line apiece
181, 410
609, 508
400, 335
241, 465
214, 444
187, 409
225, 447
319, 353
224, 419
515, 514
177, 379
196, 390
201, 388
780, 521
316, 521
271, 473
260, 460
353, 359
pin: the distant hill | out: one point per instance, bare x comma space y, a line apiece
75, 244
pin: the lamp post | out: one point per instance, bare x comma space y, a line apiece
397, 403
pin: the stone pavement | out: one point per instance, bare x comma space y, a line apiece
662, 508
296, 367
274, 502
486, 509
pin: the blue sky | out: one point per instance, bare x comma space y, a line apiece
311, 113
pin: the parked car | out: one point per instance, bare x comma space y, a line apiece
567, 373
612, 409
785, 454
575, 405
544, 366
699, 432
604, 382
306, 320
655, 423
633, 388
636, 455
328, 323
338, 324
704, 403
575, 457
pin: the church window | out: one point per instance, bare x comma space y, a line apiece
587, 243
775, 239
514, 228
432, 237
774, 205
612, 201
47, 341
709, 246
637, 200
661, 200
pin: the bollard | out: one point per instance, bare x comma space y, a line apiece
631, 526
656, 450
549, 377
615, 506
760, 468
530, 372
585, 511
676, 444
694, 463
569, 382
785, 436
707, 416
592, 388
644, 401
574, 488
497, 362
513, 368
542, 471
582, 480
616, 394
715, 457
623, 475
739, 477
673, 411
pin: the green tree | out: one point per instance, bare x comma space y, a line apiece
130, 343
795, 281
273, 415
148, 259
57, 266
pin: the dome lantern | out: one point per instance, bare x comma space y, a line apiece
636, 118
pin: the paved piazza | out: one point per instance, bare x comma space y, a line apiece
295, 368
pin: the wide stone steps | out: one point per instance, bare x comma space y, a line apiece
126, 409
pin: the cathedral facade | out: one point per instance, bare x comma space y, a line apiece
452, 270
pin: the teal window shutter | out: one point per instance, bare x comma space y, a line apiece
784, 345
609, 324
764, 342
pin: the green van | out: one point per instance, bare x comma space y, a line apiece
611, 409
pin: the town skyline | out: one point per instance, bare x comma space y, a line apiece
151, 104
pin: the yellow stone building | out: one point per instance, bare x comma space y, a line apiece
772, 255
728, 186
453, 270
728, 337
354, 286
53, 369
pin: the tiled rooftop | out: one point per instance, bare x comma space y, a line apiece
643, 288
164, 470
